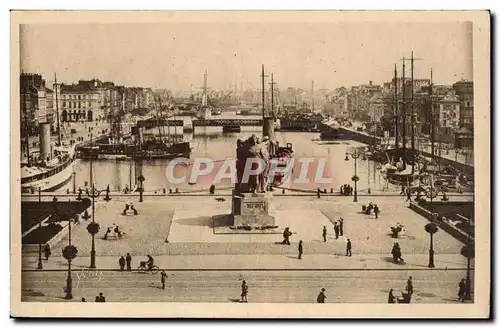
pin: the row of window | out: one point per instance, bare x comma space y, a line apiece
79, 97
76, 104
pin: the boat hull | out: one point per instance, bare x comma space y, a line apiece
51, 183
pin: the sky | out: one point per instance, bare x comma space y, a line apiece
176, 55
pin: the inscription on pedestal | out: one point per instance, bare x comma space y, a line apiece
251, 209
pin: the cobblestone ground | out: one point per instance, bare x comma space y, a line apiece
147, 232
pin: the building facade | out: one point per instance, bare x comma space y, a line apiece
80, 103
36, 103
465, 92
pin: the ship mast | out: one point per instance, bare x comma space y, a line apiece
57, 114
263, 93
396, 112
413, 114
404, 116
312, 97
432, 120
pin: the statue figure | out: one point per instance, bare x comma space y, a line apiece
252, 148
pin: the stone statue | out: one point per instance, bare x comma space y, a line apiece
252, 148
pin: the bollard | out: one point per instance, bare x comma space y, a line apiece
369, 191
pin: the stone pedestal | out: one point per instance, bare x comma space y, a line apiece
250, 209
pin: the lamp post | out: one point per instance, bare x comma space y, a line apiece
74, 182
141, 179
355, 154
431, 228
93, 228
40, 264
69, 253
468, 252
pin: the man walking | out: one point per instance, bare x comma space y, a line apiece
409, 286
128, 259
321, 296
461, 290
300, 250
47, 252
348, 248
163, 278
336, 229
324, 234
244, 291
341, 226
121, 261
376, 210
286, 236
408, 195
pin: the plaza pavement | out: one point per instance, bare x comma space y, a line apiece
150, 232
211, 270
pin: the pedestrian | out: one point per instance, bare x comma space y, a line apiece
300, 250
83, 299
341, 226
342, 190
128, 259
408, 195
336, 229
376, 210
402, 190
321, 296
46, 250
461, 290
318, 193
286, 236
396, 253
409, 286
348, 248
163, 278
244, 291
121, 261
391, 299
100, 298
324, 234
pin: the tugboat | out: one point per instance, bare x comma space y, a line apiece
331, 131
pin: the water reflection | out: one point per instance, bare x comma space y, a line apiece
211, 142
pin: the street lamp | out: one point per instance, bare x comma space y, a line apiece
93, 228
69, 253
40, 264
468, 252
141, 179
355, 155
431, 228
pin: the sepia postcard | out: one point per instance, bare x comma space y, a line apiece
250, 164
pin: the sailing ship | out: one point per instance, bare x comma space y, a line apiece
51, 167
119, 147
282, 155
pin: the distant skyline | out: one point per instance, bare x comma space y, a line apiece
176, 55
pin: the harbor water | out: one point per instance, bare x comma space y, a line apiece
212, 143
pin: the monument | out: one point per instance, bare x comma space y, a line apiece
250, 199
